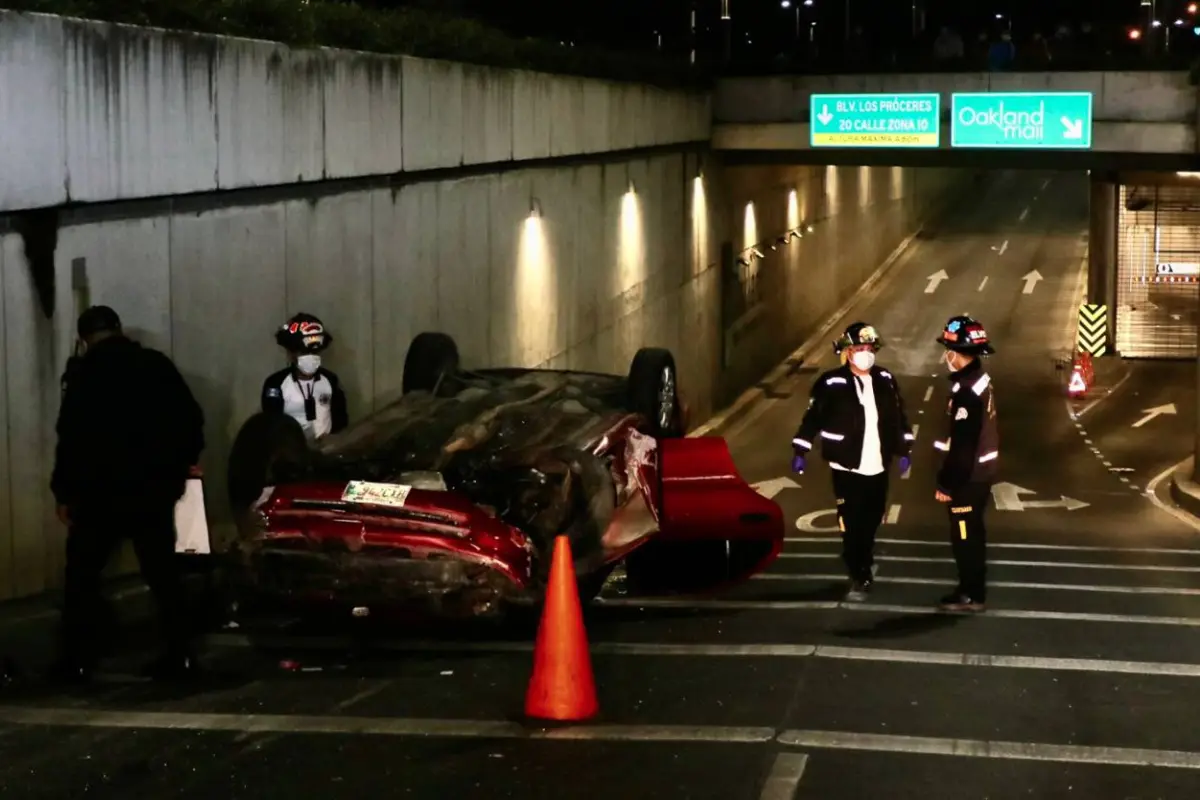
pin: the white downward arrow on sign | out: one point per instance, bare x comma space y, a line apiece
1072, 128
935, 279
825, 116
1151, 413
1007, 497
1031, 279
769, 489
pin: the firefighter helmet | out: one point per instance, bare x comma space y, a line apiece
303, 333
965, 334
860, 333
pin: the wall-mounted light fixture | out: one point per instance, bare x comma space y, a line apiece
757, 253
743, 262
535, 208
632, 189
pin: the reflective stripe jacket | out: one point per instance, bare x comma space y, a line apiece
972, 442
836, 418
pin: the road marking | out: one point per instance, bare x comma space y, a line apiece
1075, 415
1031, 279
784, 779
770, 488
378, 726
1014, 545
1024, 214
1067, 587
808, 522
1178, 513
1045, 183
928, 394
934, 280
916, 429
884, 608
1004, 247
834, 652
1007, 497
893, 515
982, 284
1151, 413
978, 748
1003, 563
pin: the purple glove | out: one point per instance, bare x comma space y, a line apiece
798, 464
905, 464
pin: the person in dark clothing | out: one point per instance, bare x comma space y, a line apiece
305, 390
129, 435
858, 412
972, 448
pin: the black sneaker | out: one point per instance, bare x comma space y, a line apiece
859, 591
957, 601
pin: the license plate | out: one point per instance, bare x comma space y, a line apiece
393, 495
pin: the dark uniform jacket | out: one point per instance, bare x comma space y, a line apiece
129, 428
836, 417
972, 442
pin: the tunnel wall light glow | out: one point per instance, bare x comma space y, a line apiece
864, 187
631, 244
793, 210
749, 227
699, 226
831, 189
534, 290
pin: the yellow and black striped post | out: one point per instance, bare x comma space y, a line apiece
1092, 336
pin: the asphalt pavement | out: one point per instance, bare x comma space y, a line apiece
1079, 681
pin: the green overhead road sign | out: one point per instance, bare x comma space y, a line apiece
874, 120
1022, 120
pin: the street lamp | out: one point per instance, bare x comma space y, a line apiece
786, 4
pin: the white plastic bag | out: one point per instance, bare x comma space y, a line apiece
191, 523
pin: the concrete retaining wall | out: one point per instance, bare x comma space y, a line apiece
97, 112
603, 272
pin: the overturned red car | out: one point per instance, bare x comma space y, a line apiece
449, 499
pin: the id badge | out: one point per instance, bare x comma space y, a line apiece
310, 409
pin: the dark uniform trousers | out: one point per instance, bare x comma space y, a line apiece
968, 538
861, 503
96, 533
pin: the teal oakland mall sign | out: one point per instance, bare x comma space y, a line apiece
1022, 120
874, 120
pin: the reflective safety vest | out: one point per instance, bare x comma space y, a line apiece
972, 441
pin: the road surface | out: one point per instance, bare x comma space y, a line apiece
1080, 681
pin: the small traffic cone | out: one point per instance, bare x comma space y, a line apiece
1078, 385
562, 688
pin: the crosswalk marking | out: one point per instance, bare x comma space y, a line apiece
1067, 587
1005, 563
1008, 545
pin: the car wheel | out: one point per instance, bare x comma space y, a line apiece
652, 391
270, 446
431, 357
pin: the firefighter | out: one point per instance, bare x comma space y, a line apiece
129, 435
972, 453
858, 413
305, 390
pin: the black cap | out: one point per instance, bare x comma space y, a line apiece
97, 319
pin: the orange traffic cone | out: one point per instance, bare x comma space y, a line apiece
562, 687
1077, 385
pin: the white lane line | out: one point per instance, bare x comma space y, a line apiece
928, 394
799, 651
1059, 564
1012, 545
982, 284
1004, 247
893, 515
377, 726
1077, 414
1045, 183
978, 748
1066, 587
784, 779
1024, 214
884, 608
916, 429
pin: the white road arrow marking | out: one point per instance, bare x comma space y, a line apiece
1151, 413
935, 279
1007, 497
1031, 278
1072, 128
825, 116
769, 489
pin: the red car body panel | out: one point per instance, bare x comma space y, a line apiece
674, 491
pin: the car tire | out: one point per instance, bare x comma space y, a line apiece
431, 357
268, 447
652, 391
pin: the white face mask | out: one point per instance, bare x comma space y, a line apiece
309, 364
949, 359
863, 359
